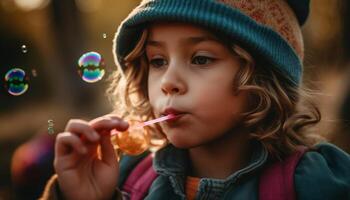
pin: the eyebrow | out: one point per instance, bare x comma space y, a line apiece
190, 40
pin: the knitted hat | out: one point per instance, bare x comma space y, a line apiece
267, 29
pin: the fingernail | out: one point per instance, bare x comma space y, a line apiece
124, 123
121, 122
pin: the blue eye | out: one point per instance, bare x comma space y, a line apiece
202, 60
158, 62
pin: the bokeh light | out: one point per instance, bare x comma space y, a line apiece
28, 5
34, 73
24, 48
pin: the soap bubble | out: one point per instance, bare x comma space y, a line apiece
16, 81
133, 141
24, 49
34, 73
91, 67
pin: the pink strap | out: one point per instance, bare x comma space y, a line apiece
140, 179
277, 180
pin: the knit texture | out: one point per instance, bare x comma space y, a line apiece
268, 29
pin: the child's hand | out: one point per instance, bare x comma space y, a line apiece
81, 174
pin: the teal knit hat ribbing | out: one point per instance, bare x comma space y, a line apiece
265, 44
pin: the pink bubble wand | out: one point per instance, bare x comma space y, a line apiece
153, 121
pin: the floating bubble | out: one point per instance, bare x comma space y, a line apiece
24, 49
34, 73
16, 82
50, 128
133, 141
91, 67
104, 35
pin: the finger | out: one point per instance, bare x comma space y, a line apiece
109, 122
62, 163
108, 155
82, 128
67, 142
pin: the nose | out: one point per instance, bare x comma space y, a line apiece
172, 81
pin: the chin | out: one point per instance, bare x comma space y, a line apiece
182, 143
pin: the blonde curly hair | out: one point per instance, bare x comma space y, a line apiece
277, 118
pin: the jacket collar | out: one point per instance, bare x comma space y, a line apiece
172, 161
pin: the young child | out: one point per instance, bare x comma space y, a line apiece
231, 71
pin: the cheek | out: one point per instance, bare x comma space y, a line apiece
153, 90
218, 103
150, 89
210, 94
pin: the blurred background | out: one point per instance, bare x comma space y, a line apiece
46, 38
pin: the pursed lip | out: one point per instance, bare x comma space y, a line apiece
173, 111
169, 110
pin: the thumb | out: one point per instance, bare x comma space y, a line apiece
107, 150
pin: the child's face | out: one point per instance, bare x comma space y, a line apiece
192, 72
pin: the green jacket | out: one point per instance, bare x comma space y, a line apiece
320, 174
